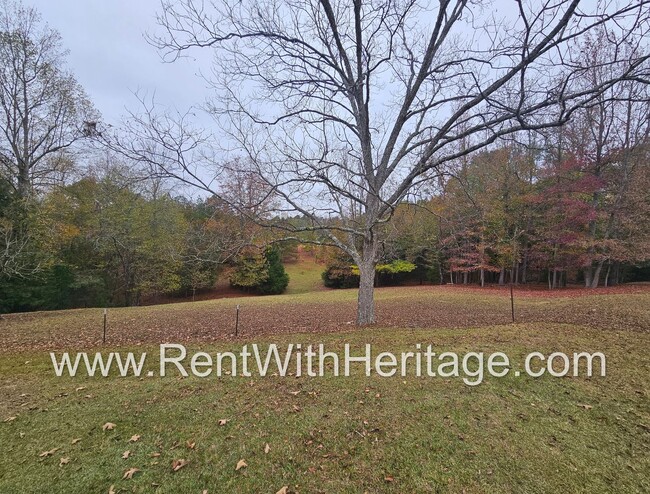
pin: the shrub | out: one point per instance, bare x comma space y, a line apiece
264, 274
250, 272
339, 272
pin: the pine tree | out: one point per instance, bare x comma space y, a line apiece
277, 279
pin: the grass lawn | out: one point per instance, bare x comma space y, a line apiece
357, 434
304, 276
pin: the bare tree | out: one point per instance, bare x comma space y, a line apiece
347, 108
43, 110
16, 259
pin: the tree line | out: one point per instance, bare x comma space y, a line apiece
399, 148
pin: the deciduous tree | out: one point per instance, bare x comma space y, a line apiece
43, 109
347, 108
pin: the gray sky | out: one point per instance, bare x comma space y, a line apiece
111, 59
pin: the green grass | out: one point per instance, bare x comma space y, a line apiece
304, 276
513, 434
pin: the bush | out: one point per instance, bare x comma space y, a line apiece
339, 273
250, 272
56, 287
394, 273
262, 274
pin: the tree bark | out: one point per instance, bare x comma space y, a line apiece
24, 183
617, 272
596, 277
502, 276
366, 299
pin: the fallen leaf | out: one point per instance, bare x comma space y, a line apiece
80, 388
389, 479
64, 461
204, 491
241, 464
155, 455
190, 444
586, 407
76, 440
134, 438
283, 490
129, 473
48, 453
108, 426
111, 490
294, 393
126, 454
9, 419
178, 464
267, 448
223, 421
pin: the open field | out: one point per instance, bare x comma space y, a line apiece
304, 276
326, 311
356, 434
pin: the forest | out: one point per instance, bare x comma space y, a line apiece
517, 213
86, 219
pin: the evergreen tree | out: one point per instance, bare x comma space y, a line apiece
277, 279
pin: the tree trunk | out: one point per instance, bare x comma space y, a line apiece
24, 185
588, 272
596, 278
464, 277
366, 299
502, 276
482, 277
617, 272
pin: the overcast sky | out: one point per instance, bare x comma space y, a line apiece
111, 59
